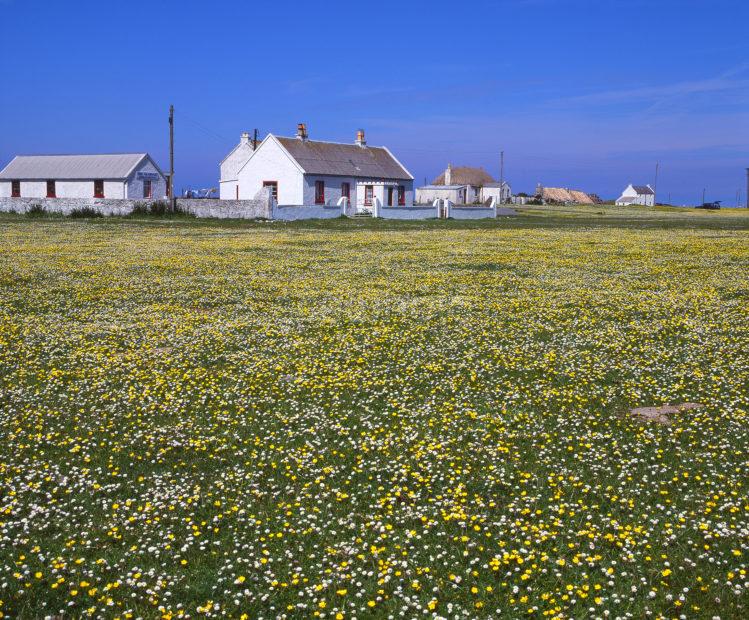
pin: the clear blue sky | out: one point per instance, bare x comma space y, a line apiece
578, 93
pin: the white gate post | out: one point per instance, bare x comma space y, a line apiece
376, 206
448, 208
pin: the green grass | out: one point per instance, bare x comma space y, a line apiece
373, 417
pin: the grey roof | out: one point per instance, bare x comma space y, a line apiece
502, 184
442, 187
339, 159
113, 166
643, 189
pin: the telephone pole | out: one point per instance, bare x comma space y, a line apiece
655, 185
172, 199
747, 188
501, 176
703, 195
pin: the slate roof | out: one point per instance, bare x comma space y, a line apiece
465, 175
350, 160
643, 189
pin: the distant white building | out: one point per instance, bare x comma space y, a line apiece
463, 185
637, 195
501, 192
300, 171
127, 175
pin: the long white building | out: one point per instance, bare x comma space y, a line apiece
300, 171
132, 176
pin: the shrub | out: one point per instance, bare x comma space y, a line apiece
158, 208
85, 212
36, 210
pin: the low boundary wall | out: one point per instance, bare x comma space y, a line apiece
305, 212
471, 213
408, 213
261, 207
241, 209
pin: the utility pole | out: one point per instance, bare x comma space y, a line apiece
655, 185
747, 188
172, 199
254, 140
501, 176
703, 195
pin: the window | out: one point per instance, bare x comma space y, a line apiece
402, 195
147, 188
15, 189
346, 190
98, 189
273, 188
390, 196
368, 194
51, 189
319, 192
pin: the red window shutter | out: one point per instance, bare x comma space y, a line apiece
402, 195
319, 192
15, 191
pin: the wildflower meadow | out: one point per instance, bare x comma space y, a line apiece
374, 420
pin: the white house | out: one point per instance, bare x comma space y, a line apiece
637, 195
300, 171
125, 175
501, 192
231, 164
462, 185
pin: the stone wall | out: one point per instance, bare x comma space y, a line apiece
240, 209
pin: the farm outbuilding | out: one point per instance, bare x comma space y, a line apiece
123, 175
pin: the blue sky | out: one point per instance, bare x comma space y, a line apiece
587, 94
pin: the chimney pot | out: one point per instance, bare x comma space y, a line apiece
449, 175
360, 140
245, 137
301, 131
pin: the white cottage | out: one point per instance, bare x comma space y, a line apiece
463, 185
300, 171
637, 195
125, 175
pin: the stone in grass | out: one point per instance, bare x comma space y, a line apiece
659, 415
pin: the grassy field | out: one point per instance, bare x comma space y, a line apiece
355, 419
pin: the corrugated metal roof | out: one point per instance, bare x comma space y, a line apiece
349, 160
112, 166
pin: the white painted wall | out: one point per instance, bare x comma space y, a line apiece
488, 193
227, 190
271, 162
235, 160
332, 188
64, 189
427, 195
134, 185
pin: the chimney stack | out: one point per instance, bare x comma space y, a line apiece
449, 175
245, 137
301, 131
360, 141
